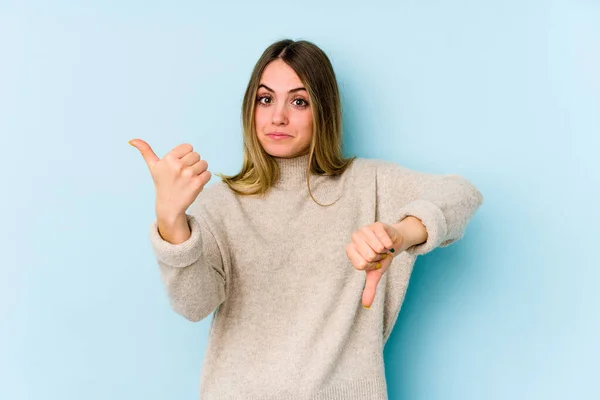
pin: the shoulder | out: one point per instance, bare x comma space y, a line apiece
217, 190
392, 174
370, 163
375, 166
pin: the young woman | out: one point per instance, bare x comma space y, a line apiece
304, 256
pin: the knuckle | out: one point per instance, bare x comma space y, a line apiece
173, 161
177, 166
187, 172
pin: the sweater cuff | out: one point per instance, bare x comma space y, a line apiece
177, 255
434, 221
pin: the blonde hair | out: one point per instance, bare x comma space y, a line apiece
259, 170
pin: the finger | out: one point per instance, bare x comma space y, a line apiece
190, 158
147, 153
385, 237
356, 259
371, 281
205, 177
397, 239
360, 241
385, 263
181, 150
375, 242
199, 167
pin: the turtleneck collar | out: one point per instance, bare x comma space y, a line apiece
292, 172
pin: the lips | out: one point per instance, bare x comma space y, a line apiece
278, 135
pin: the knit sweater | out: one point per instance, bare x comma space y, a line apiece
288, 319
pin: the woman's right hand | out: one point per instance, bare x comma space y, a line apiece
178, 177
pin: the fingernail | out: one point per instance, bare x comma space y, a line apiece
130, 142
377, 266
384, 256
366, 306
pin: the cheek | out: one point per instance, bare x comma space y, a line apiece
304, 121
308, 122
258, 117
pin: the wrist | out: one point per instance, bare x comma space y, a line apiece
412, 230
169, 217
174, 229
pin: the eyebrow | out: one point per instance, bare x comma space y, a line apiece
271, 90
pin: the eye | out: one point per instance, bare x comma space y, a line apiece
303, 103
261, 98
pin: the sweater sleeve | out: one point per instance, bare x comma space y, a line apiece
443, 203
192, 271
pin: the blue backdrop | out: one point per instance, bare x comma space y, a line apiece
505, 93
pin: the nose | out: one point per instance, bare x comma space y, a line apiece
280, 116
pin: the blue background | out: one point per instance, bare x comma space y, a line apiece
505, 93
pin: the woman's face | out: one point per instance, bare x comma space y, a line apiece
283, 115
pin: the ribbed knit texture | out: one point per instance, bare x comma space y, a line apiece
288, 320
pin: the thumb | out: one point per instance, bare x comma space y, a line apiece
149, 156
372, 279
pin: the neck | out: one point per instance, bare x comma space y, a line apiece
292, 171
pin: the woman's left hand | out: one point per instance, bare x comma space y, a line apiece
372, 250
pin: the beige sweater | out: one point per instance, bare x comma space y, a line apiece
288, 320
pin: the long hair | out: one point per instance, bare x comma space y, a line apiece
259, 170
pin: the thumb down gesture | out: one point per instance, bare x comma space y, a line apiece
372, 250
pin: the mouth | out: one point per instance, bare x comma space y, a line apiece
278, 136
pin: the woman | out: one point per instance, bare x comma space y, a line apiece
286, 251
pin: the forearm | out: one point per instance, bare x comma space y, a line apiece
194, 291
192, 271
443, 203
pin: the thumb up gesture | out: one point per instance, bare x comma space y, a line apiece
178, 177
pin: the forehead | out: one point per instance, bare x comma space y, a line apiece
280, 77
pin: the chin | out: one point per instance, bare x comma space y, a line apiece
282, 153
283, 150
277, 150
